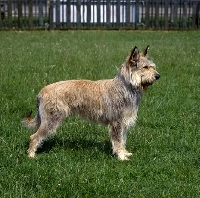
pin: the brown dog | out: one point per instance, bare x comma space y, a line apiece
113, 102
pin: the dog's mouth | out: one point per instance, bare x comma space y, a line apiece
147, 84
150, 81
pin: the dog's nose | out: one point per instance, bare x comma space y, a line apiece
157, 76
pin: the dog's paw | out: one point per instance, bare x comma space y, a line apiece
128, 154
31, 154
122, 156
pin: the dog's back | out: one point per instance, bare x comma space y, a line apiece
98, 101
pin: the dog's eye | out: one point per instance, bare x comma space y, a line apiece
146, 67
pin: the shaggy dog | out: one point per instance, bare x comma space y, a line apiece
112, 102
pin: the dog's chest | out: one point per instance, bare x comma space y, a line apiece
130, 111
129, 116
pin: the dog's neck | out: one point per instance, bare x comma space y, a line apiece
131, 88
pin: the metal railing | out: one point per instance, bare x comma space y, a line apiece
99, 14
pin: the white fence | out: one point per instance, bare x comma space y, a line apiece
93, 12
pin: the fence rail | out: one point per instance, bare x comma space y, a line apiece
99, 14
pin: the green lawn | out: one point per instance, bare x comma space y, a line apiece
78, 161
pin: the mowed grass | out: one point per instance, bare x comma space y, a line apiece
78, 161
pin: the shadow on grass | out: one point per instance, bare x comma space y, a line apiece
73, 144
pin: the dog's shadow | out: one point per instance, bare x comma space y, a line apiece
73, 144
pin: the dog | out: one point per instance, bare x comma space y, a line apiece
112, 102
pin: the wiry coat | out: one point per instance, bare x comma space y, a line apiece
112, 102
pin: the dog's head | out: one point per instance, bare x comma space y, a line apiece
138, 70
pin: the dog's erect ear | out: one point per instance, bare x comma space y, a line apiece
134, 55
144, 53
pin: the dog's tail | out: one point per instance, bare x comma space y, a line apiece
32, 124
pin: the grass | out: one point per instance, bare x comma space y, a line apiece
77, 162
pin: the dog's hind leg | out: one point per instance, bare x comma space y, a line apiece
49, 124
36, 139
118, 139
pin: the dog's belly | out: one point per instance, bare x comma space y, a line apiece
92, 110
94, 116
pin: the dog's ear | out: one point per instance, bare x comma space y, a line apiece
134, 57
144, 53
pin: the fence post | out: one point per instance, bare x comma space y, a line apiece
128, 14
2, 15
166, 14
197, 14
51, 15
137, 12
88, 14
194, 15
40, 14
30, 14
9, 14
19, 2
68, 14
78, 6
58, 13
118, 13
184, 15
157, 14
108, 14
98, 13
147, 8
175, 14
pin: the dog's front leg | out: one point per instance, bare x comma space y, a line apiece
124, 137
118, 140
